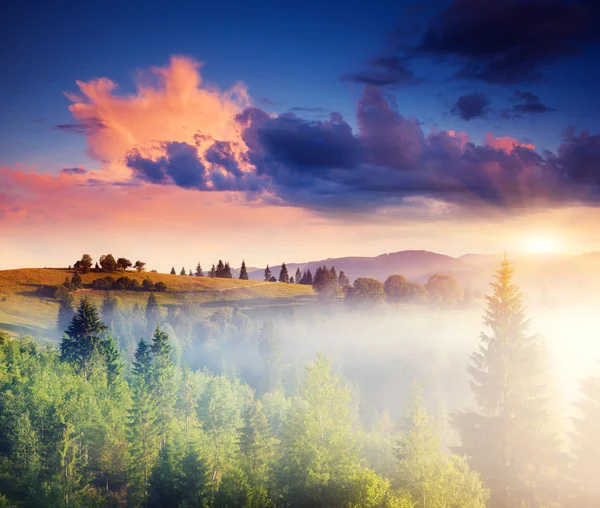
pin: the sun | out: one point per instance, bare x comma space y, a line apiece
541, 244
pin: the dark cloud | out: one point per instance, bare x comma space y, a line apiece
182, 166
387, 70
526, 103
388, 162
73, 171
529, 103
86, 127
474, 105
308, 110
509, 41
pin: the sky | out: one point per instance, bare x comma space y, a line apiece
272, 132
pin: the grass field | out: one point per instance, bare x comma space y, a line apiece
27, 308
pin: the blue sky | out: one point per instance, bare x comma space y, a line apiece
505, 139
293, 54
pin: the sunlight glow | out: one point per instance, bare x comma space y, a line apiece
541, 244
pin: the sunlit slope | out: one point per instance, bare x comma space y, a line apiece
25, 304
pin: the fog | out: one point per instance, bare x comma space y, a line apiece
380, 350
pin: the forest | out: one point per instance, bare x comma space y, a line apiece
141, 407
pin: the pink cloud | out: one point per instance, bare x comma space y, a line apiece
170, 104
505, 143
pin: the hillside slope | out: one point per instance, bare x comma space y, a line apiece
26, 307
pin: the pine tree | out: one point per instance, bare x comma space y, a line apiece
213, 272
270, 347
114, 365
243, 271
227, 271
507, 441
283, 274
152, 311
298, 275
191, 274
164, 386
163, 483
220, 269
182, 272
199, 272
267, 274
173, 271
83, 339
432, 477
257, 445
142, 428
195, 485
343, 281
65, 311
586, 449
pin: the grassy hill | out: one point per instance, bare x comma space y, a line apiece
26, 305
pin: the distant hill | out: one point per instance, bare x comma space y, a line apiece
26, 307
561, 275
417, 265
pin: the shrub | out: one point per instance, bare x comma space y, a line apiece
160, 287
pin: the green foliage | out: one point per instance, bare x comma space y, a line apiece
399, 289
65, 311
124, 263
443, 290
283, 274
365, 291
84, 338
508, 440
325, 282
85, 264
108, 263
152, 312
243, 271
432, 478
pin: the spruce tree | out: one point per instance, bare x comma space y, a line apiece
83, 339
220, 269
114, 364
65, 311
507, 440
432, 477
257, 444
586, 449
243, 271
227, 271
163, 483
213, 272
182, 272
152, 311
191, 274
283, 274
199, 272
195, 484
267, 274
298, 275
173, 271
142, 428
164, 386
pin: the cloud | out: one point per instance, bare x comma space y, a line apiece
175, 132
86, 126
388, 70
528, 103
170, 104
74, 171
509, 41
475, 105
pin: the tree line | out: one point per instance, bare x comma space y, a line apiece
84, 426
